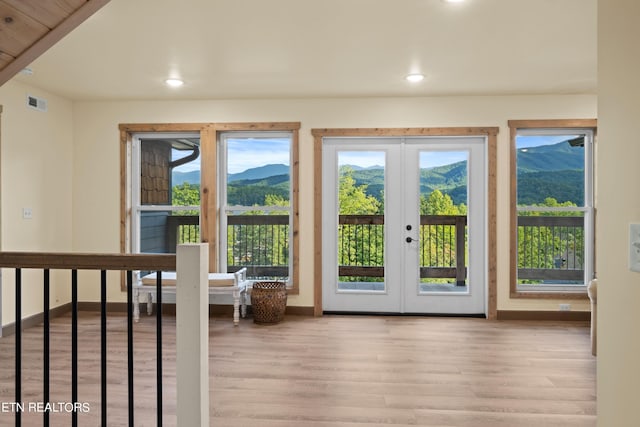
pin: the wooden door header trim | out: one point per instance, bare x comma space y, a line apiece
198, 127
553, 124
266, 126
438, 131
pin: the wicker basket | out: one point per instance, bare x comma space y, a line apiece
268, 300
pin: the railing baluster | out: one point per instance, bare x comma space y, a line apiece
46, 346
103, 346
461, 274
18, 349
159, 345
74, 344
130, 344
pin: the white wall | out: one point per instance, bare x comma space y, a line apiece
36, 163
619, 205
96, 157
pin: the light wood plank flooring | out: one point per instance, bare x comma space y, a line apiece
350, 371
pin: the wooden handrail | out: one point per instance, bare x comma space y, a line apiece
88, 261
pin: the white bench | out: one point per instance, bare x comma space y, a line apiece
234, 284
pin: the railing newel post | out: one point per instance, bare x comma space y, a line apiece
192, 335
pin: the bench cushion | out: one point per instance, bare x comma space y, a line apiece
169, 279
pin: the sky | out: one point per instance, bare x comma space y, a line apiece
428, 159
247, 153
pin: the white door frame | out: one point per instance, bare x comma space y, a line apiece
388, 300
474, 299
394, 190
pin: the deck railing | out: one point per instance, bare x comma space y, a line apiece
104, 263
442, 240
551, 248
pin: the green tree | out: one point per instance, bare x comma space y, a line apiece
352, 198
187, 195
359, 243
440, 204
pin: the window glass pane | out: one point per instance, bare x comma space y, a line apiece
550, 170
258, 188
258, 171
169, 175
550, 181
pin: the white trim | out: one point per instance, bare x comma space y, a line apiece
587, 208
136, 207
225, 209
401, 159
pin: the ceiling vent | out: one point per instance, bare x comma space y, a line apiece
36, 103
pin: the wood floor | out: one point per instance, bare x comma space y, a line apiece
350, 371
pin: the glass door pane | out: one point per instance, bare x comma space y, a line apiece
442, 236
361, 242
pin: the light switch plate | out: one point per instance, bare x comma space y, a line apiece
634, 247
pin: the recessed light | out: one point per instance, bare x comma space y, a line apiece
453, 1
414, 78
174, 82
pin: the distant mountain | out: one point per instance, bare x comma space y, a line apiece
544, 171
360, 168
267, 181
259, 172
550, 171
192, 177
560, 156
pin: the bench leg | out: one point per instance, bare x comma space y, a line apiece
236, 308
149, 303
243, 304
136, 305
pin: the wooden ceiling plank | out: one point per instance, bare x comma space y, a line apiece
49, 39
48, 13
5, 59
17, 30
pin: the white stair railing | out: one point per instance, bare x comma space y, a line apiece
192, 334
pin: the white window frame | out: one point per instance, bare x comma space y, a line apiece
587, 209
222, 193
136, 207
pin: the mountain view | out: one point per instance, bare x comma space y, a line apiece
555, 171
544, 171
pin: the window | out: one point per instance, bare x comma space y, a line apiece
552, 207
256, 209
165, 191
233, 186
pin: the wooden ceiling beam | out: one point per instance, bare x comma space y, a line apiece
50, 38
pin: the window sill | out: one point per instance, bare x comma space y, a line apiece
578, 294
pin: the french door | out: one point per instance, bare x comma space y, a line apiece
404, 225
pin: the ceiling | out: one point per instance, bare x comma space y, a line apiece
30, 27
232, 49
